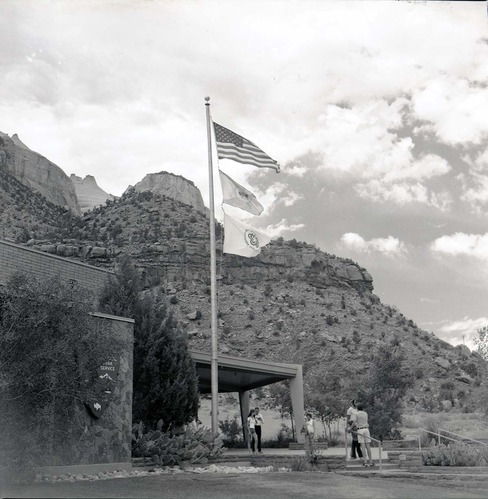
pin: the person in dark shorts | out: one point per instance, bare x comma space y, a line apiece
259, 422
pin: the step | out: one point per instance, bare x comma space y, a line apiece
298, 446
407, 452
358, 467
410, 444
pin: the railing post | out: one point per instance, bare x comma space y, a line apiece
380, 445
345, 442
439, 437
420, 441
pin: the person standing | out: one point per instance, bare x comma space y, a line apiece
356, 446
251, 428
259, 421
309, 428
360, 421
350, 411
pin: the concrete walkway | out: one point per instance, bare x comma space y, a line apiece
331, 451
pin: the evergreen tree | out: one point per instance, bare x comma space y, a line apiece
165, 381
325, 391
481, 342
382, 391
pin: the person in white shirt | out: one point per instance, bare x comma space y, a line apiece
309, 430
355, 443
310, 426
251, 428
360, 420
259, 421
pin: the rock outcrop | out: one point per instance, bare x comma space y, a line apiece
174, 187
89, 193
37, 172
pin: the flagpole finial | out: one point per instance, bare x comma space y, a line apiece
207, 99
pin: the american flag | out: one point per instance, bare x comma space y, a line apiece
230, 145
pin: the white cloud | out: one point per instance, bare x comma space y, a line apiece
472, 245
427, 167
296, 170
430, 300
279, 193
281, 228
359, 140
290, 198
477, 195
463, 331
455, 108
388, 246
402, 183
130, 55
481, 161
403, 193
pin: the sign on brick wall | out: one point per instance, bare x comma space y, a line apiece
105, 385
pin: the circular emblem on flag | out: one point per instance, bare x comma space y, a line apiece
242, 195
251, 239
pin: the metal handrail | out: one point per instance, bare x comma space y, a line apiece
463, 437
369, 438
439, 436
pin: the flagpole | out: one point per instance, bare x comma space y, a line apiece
213, 282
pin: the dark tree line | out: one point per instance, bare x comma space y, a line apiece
165, 381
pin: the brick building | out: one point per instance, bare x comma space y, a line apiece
91, 440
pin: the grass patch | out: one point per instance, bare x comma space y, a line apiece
471, 425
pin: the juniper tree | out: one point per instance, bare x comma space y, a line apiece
165, 381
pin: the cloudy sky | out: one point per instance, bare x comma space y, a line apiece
377, 112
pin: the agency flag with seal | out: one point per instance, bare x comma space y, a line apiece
242, 239
238, 196
231, 145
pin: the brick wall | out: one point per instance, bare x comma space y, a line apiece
14, 258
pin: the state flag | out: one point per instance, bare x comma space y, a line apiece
230, 145
242, 239
238, 196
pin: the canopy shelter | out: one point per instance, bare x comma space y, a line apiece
242, 375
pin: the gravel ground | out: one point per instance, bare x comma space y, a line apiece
215, 483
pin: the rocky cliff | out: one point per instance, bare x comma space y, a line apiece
37, 172
293, 303
88, 192
174, 187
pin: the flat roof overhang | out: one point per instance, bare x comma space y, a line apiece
237, 375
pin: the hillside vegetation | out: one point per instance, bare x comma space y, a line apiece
294, 303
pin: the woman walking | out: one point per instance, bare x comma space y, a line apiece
251, 428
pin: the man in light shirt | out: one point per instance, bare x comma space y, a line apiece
360, 420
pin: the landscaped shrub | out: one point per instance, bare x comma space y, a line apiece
282, 439
456, 454
300, 463
168, 449
232, 433
50, 350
